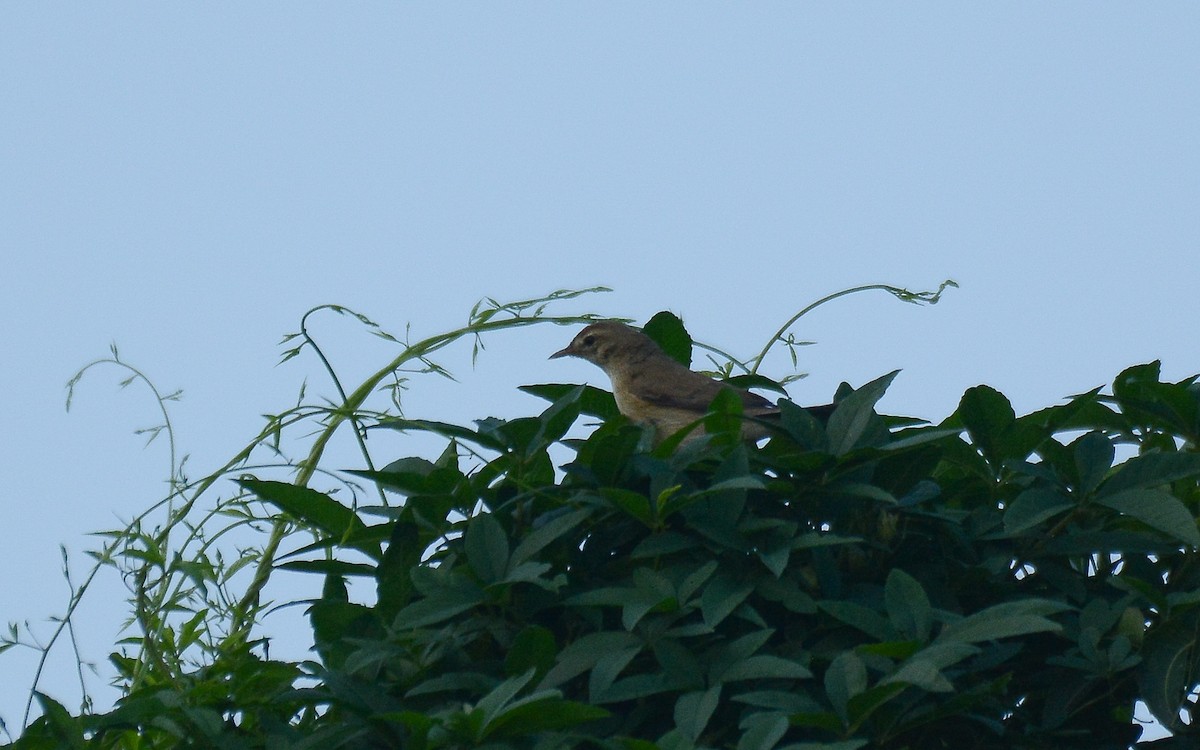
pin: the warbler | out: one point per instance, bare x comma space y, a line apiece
654, 389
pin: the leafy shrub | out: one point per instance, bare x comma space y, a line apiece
992, 581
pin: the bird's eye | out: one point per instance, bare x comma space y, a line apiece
589, 340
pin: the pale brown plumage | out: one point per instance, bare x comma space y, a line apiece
654, 389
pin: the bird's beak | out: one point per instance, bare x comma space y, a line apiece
562, 353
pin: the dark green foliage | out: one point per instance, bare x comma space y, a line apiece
990, 582
668, 332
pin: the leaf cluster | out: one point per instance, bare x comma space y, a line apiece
864, 581
982, 583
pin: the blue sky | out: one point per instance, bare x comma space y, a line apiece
187, 179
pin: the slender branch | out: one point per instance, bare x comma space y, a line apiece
249, 602
902, 294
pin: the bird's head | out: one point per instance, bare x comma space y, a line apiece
606, 342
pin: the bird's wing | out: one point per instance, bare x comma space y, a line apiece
694, 392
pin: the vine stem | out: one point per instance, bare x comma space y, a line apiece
248, 604
900, 293
337, 383
65, 623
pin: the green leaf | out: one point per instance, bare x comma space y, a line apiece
66, 728
774, 556
737, 650
863, 490
694, 580
812, 539
1004, 621
612, 596
845, 678
802, 426
475, 682
1093, 458
532, 648
519, 435
410, 466
721, 597
922, 674
668, 332
907, 606
765, 667
747, 381
533, 572
409, 483
494, 703
1147, 401
445, 429
328, 567
581, 655
843, 745
486, 547
633, 744
558, 417
989, 419
1170, 667
1137, 375
547, 533
634, 688
635, 504
693, 710
763, 731
595, 402
333, 621
918, 436
779, 700
1032, 507
942, 655
854, 414
1158, 510
310, 506
438, 606
787, 592
987, 414
650, 590
314, 508
861, 706
724, 418
543, 712
747, 482
663, 543
865, 619
1152, 470
393, 586
1129, 542
607, 667
681, 666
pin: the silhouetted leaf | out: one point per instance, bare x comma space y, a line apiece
593, 401
314, 508
668, 332
854, 414
445, 429
1093, 457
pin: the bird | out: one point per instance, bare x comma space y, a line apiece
654, 389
